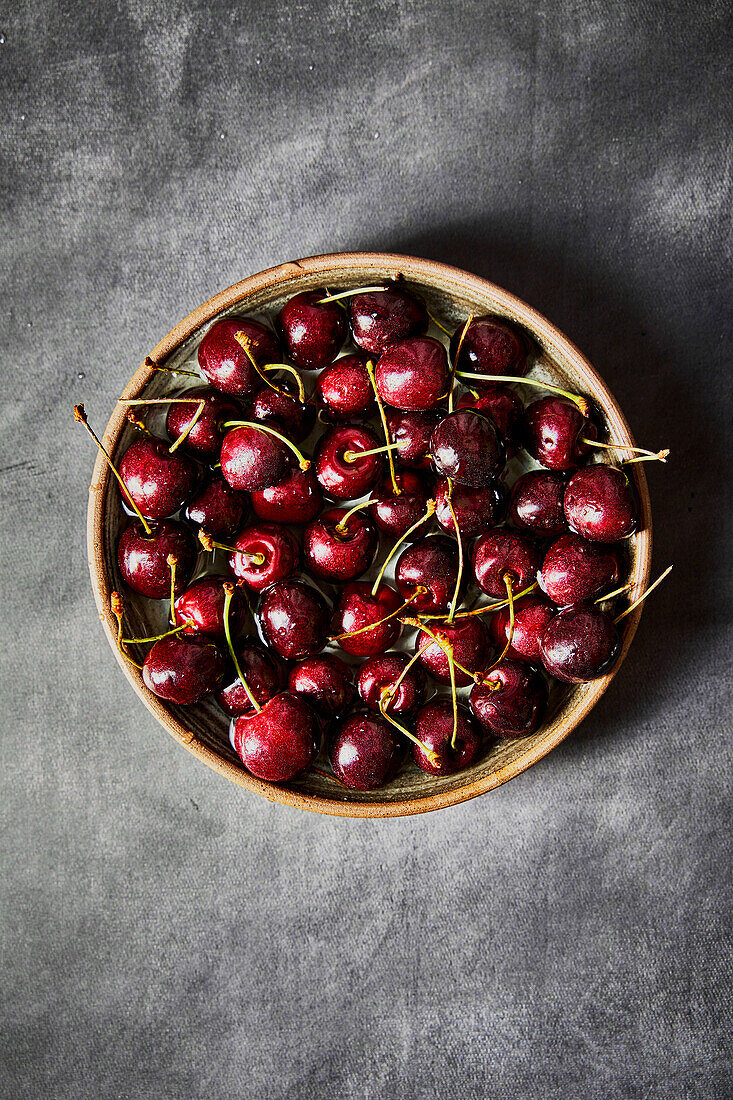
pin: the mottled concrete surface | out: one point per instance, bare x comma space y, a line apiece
167, 935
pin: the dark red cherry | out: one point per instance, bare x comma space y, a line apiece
183, 670
336, 554
491, 346
225, 363
263, 674
434, 727
470, 645
295, 499
159, 482
284, 411
395, 514
279, 741
501, 552
294, 619
579, 644
202, 606
326, 682
574, 570
381, 318
277, 545
413, 374
340, 473
411, 431
356, 609
143, 558
432, 566
502, 406
217, 508
365, 753
204, 439
344, 390
312, 331
466, 447
379, 674
253, 460
475, 509
600, 504
511, 702
553, 431
536, 503
531, 616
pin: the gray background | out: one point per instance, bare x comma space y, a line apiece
164, 933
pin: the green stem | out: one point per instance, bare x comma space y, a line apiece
581, 402
81, 418
423, 519
228, 593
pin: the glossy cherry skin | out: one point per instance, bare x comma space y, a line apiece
470, 645
413, 374
600, 504
365, 753
283, 411
340, 479
204, 439
158, 482
252, 460
466, 447
536, 503
263, 674
326, 682
512, 701
579, 644
335, 555
434, 727
490, 346
575, 570
143, 558
183, 670
225, 363
395, 514
279, 548
531, 616
379, 673
553, 431
381, 318
279, 741
475, 509
430, 565
312, 333
503, 408
411, 431
296, 499
501, 552
202, 606
217, 508
344, 390
294, 619
357, 608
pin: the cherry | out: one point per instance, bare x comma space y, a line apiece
511, 702
435, 728
343, 389
502, 406
224, 360
201, 606
365, 753
553, 432
380, 318
469, 642
340, 470
600, 504
312, 331
278, 741
326, 682
428, 570
413, 374
293, 619
466, 447
157, 481
295, 499
411, 431
336, 550
252, 459
203, 441
501, 553
182, 670
217, 508
263, 675
365, 624
475, 509
574, 570
490, 346
143, 557
536, 502
579, 644
395, 514
531, 616
379, 674
282, 409
265, 553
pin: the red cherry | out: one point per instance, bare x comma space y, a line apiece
502, 406
365, 753
434, 727
278, 548
295, 499
182, 670
143, 557
294, 619
381, 318
284, 411
574, 570
224, 361
159, 482
579, 644
358, 608
279, 741
326, 682
394, 514
531, 616
465, 446
344, 390
378, 674
339, 554
490, 346
252, 460
600, 504
202, 606
512, 700
262, 672
468, 639
217, 508
475, 509
536, 503
204, 439
413, 374
428, 571
312, 331
341, 474
553, 431
411, 431
500, 552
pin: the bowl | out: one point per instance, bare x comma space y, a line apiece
450, 294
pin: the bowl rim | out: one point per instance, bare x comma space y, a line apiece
428, 271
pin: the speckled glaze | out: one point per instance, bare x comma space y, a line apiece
296, 499
279, 741
470, 644
356, 609
365, 753
344, 390
278, 546
501, 552
512, 701
217, 508
159, 482
344, 480
225, 363
536, 503
600, 504
202, 606
334, 555
262, 672
326, 682
380, 319
143, 558
383, 671
204, 439
431, 564
294, 618
312, 334
575, 569
475, 509
579, 644
490, 346
466, 448
413, 374
183, 671
434, 727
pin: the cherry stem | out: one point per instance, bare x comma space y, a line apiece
454, 697
616, 592
499, 604
246, 345
459, 577
152, 365
354, 456
643, 596
379, 622
581, 402
167, 401
156, 637
430, 753
350, 294
118, 609
210, 544
388, 693
507, 578
81, 418
646, 456
138, 424
385, 428
172, 563
444, 645
423, 519
437, 323
456, 359
228, 593
303, 462
296, 376
342, 526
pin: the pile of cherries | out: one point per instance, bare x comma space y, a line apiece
408, 472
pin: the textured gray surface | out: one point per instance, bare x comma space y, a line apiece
167, 935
